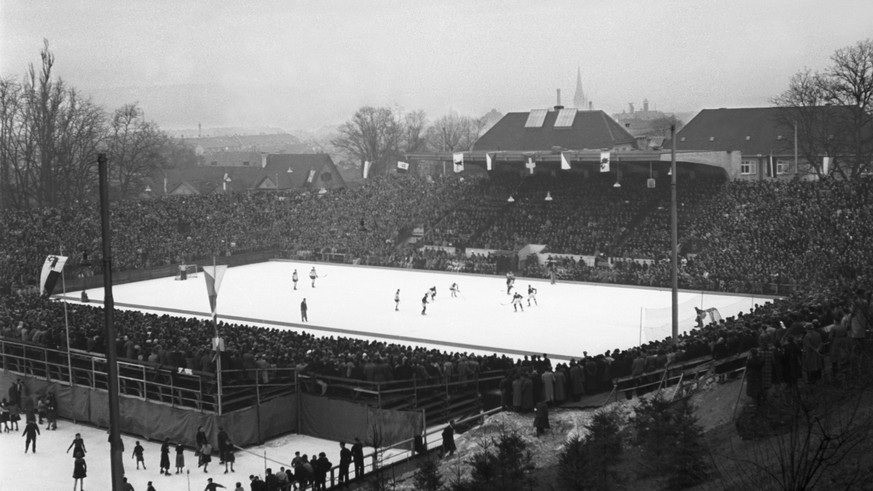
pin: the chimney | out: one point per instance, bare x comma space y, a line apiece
590, 105
646, 106
559, 97
199, 130
631, 106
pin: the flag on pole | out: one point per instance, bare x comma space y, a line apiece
366, 168
51, 271
311, 176
565, 164
770, 168
487, 161
604, 161
458, 161
531, 165
213, 276
825, 165
404, 166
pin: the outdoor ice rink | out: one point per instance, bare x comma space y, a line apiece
358, 301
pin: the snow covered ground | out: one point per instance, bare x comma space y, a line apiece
356, 301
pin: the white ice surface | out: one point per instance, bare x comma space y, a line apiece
359, 301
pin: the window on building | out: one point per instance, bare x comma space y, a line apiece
246, 162
748, 167
783, 167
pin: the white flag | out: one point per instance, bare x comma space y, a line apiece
531, 165
311, 175
366, 168
488, 161
458, 161
51, 271
604, 161
402, 165
825, 165
565, 164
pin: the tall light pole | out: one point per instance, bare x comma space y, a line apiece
674, 236
108, 307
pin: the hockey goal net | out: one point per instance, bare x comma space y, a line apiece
186, 271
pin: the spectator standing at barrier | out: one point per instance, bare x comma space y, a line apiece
321, 466
229, 457
165, 457
78, 447
180, 458
138, 452
31, 429
345, 461
51, 412
811, 358
222, 444
449, 439
149, 487
303, 310
126, 486
358, 457
80, 471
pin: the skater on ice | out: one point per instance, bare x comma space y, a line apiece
424, 303
455, 290
312, 276
516, 302
294, 278
531, 295
432, 292
397, 300
510, 281
303, 310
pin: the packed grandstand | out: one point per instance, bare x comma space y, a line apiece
811, 239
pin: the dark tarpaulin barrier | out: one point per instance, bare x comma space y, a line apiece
344, 421
156, 422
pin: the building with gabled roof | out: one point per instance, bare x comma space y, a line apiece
280, 172
763, 137
581, 130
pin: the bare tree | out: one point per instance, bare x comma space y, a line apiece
373, 134
49, 137
832, 112
454, 132
136, 148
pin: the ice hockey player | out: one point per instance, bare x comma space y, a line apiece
424, 303
454, 289
510, 281
516, 302
397, 300
531, 295
294, 278
312, 276
432, 292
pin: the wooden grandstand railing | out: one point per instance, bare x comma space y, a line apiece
441, 398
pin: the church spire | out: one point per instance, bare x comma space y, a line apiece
579, 99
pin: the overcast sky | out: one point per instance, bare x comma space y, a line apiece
304, 64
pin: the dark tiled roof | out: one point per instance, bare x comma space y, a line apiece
209, 179
757, 130
590, 130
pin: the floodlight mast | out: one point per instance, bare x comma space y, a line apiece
674, 237
116, 452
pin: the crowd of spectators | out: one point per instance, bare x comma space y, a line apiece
813, 234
